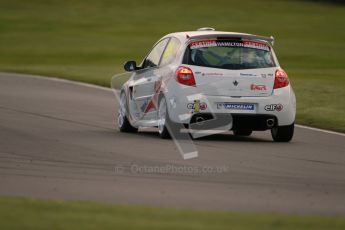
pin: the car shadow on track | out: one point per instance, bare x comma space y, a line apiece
224, 137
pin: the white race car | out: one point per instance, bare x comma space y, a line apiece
196, 76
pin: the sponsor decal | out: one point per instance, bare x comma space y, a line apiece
213, 74
254, 87
256, 45
248, 74
235, 106
197, 106
274, 107
209, 74
264, 75
230, 43
201, 44
221, 43
143, 106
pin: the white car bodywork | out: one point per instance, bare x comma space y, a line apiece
248, 95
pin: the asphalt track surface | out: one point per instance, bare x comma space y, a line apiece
58, 141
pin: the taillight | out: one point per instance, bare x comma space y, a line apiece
281, 79
185, 76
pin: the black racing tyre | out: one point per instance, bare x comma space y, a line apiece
242, 132
164, 120
122, 120
283, 133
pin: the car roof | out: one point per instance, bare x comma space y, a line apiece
195, 35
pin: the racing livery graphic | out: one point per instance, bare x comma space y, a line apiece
209, 75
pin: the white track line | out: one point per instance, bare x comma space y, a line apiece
108, 89
320, 130
58, 80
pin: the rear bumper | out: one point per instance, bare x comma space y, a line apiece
257, 122
180, 110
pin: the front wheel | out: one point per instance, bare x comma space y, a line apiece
122, 120
283, 133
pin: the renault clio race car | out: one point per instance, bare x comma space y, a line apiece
195, 76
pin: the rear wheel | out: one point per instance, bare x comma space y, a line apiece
242, 132
122, 120
164, 120
283, 133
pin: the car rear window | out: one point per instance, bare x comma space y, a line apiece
229, 54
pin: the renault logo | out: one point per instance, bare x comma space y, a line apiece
235, 83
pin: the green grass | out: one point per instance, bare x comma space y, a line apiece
89, 40
20, 213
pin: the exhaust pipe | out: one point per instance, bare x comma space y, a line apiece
270, 122
199, 120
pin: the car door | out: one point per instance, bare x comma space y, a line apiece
146, 82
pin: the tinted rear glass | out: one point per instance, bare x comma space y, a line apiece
229, 54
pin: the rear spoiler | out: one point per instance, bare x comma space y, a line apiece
245, 36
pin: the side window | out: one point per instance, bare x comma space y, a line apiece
170, 51
154, 56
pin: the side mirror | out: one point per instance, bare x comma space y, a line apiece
130, 66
